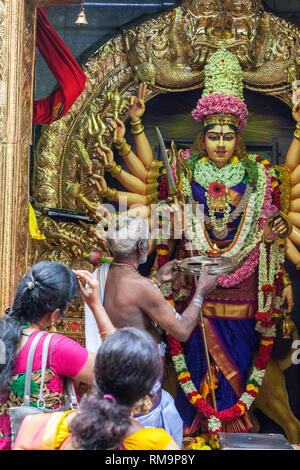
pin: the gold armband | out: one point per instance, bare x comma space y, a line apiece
286, 280
137, 127
114, 170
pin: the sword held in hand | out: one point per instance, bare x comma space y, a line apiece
171, 184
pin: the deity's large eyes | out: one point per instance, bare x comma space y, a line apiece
214, 137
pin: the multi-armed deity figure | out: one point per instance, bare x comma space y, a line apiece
244, 199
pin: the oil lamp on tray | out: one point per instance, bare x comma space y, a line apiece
214, 252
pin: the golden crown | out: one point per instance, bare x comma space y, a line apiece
221, 119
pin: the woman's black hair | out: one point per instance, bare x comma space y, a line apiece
127, 365
45, 287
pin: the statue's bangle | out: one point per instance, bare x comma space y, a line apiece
297, 133
123, 148
137, 127
267, 240
114, 169
111, 194
286, 280
298, 125
121, 144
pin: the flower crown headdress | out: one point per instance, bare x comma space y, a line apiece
222, 100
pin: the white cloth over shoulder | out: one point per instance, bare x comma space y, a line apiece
92, 336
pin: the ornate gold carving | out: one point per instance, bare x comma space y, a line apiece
179, 42
17, 46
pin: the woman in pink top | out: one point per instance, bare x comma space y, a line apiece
42, 297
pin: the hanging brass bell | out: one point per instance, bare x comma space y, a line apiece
81, 18
287, 326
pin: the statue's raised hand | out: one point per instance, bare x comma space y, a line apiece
117, 126
136, 107
276, 226
104, 154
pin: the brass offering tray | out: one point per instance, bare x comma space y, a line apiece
217, 266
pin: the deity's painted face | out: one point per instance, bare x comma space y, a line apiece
220, 142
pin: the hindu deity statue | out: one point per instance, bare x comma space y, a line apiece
245, 217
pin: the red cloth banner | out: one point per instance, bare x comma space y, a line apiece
65, 69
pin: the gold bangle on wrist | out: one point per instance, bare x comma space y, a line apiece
137, 127
153, 271
123, 148
298, 125
297, 133
286, 280
267, 240
121, 144
104, 334
114, 169
156, 281
111, 194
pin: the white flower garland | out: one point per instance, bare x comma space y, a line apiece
223, 74
195, 232
250, 235
230, 175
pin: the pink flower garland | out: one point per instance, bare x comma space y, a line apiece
242, 273
216, 104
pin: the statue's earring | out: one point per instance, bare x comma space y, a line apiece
203, 156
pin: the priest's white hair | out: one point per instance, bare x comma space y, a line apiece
124, 233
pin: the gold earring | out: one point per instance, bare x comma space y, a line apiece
203, 155
52, 328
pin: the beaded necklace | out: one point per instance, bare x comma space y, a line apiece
133, 268
120, 263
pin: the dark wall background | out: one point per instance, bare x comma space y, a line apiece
270, 122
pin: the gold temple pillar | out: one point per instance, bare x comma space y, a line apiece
17, 52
